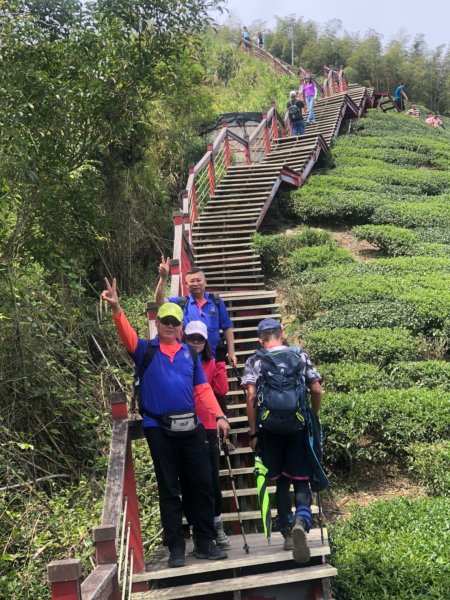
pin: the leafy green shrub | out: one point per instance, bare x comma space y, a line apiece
380, 424
347, 376
335, 207
380, 346
430, 465
435, 213
315, 256
392, 240
393, 550
274, 248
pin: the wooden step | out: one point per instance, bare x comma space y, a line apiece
261, 553
252, 268
246, 492
256, 317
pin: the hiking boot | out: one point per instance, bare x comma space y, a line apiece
176, 558
288, 543
209, 550
301, 553
221, 537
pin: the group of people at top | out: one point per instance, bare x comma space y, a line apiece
182, 381
246, 39
400, 99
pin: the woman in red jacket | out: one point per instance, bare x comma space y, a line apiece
196, 335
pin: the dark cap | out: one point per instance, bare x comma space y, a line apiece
267, 324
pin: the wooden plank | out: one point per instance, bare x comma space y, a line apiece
112, 504
239, 583
101, 583
260, 553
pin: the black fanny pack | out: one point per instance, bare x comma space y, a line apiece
177, 424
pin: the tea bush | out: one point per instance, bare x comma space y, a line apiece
432, 213
274, 248
430, 465
379, 425
315, 256
392, 240
393, 550
380, 346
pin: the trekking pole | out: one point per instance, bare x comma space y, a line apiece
236, 500
319, 506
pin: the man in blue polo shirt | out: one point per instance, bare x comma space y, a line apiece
400, 96
172, 380
200, 305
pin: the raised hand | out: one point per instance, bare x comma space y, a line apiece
164, 267
110, 295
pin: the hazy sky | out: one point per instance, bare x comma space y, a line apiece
388, 17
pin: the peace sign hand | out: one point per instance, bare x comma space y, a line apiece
164, 267
110, 295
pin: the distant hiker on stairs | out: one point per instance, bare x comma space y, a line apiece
309, 91
400, 97
171, 383
295, 114
200, 305
277, 379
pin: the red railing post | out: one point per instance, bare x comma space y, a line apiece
64, 579
211, 172
248, 159
105, 552
152, 309
227, 151
266, 136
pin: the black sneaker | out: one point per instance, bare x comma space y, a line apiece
209, 551
300, 552
176, 558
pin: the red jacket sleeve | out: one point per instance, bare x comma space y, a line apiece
127, 334
219, 381
204, 396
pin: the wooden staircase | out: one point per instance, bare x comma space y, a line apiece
221, 243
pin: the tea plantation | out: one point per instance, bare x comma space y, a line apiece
377, 323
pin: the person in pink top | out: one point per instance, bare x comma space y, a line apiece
309, 91
196, 336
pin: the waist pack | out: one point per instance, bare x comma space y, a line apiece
280, 392
176, 424
294, 112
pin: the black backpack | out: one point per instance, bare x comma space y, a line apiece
281, 391
294, 112
140, 372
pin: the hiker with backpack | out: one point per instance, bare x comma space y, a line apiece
200, 305
295, 114
196, 336
172, 384
282, 423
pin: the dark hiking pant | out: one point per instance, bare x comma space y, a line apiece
214, 463
186, 458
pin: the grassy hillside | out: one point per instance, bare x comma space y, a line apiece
368, 296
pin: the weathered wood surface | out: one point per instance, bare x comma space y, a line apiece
100, 584
112, 504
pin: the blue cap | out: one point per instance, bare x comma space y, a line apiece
267, 324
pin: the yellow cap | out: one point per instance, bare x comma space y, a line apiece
170, 309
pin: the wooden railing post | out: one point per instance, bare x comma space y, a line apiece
227, 152
266, 136
106, 554
64, 579
129, 492
119, 407
193, 208
248, 158
211, 172
152, 309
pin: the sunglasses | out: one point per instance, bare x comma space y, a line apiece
197, 339
170, 321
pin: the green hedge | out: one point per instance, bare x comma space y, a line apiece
379, 425
334, 206
393, 550
381, 346
315, 256
430, 465
432, 213
274, 248
392, 240
347, 376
